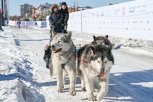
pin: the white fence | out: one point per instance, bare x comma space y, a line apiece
132, 19
40, 24
47, 22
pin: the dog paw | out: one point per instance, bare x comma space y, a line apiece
63, 86
97, 98
83, 89
92, 99
73, 93
59, 90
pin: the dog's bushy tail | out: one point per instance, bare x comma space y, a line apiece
51, 72
51, 68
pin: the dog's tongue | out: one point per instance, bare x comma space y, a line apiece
101, 74
55, 51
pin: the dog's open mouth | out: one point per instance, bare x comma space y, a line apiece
101, 74
58, 50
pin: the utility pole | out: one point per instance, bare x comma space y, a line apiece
74, 4
2, 11
2, 5
5, 4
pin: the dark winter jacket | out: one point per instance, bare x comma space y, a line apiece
55, 18
18, 22
65, 14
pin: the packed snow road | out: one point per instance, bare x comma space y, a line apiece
131, 78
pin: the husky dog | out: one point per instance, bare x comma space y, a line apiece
63, 60
101, 40
94, 63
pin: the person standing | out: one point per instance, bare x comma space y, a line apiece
55, 20
65, 13
19, 23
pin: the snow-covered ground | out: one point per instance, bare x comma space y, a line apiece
24, 78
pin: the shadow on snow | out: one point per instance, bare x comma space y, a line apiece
122, 87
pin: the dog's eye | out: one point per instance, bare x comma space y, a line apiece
59, 41
105, 61
98, 61
91, 58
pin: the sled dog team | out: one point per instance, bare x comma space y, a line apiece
94, 62
91, 63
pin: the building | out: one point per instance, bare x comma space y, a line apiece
84, 8
41, 11
72, 9
26, 10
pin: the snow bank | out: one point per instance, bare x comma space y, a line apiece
137, 46
16, 83
17, 91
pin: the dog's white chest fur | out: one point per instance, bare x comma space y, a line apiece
59, 59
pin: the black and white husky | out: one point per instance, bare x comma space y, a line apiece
94, 65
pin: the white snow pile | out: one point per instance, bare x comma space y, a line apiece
16, 83
138, 46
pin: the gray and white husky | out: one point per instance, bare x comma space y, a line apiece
64, 60
94, 65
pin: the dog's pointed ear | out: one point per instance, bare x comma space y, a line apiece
69, 34
54, 34
109, 52
92, 50
106, 37
46, 47
94, 37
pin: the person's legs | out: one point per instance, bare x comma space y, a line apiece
18, 26
65, 29
59, 29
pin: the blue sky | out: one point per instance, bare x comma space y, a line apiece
14, 5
